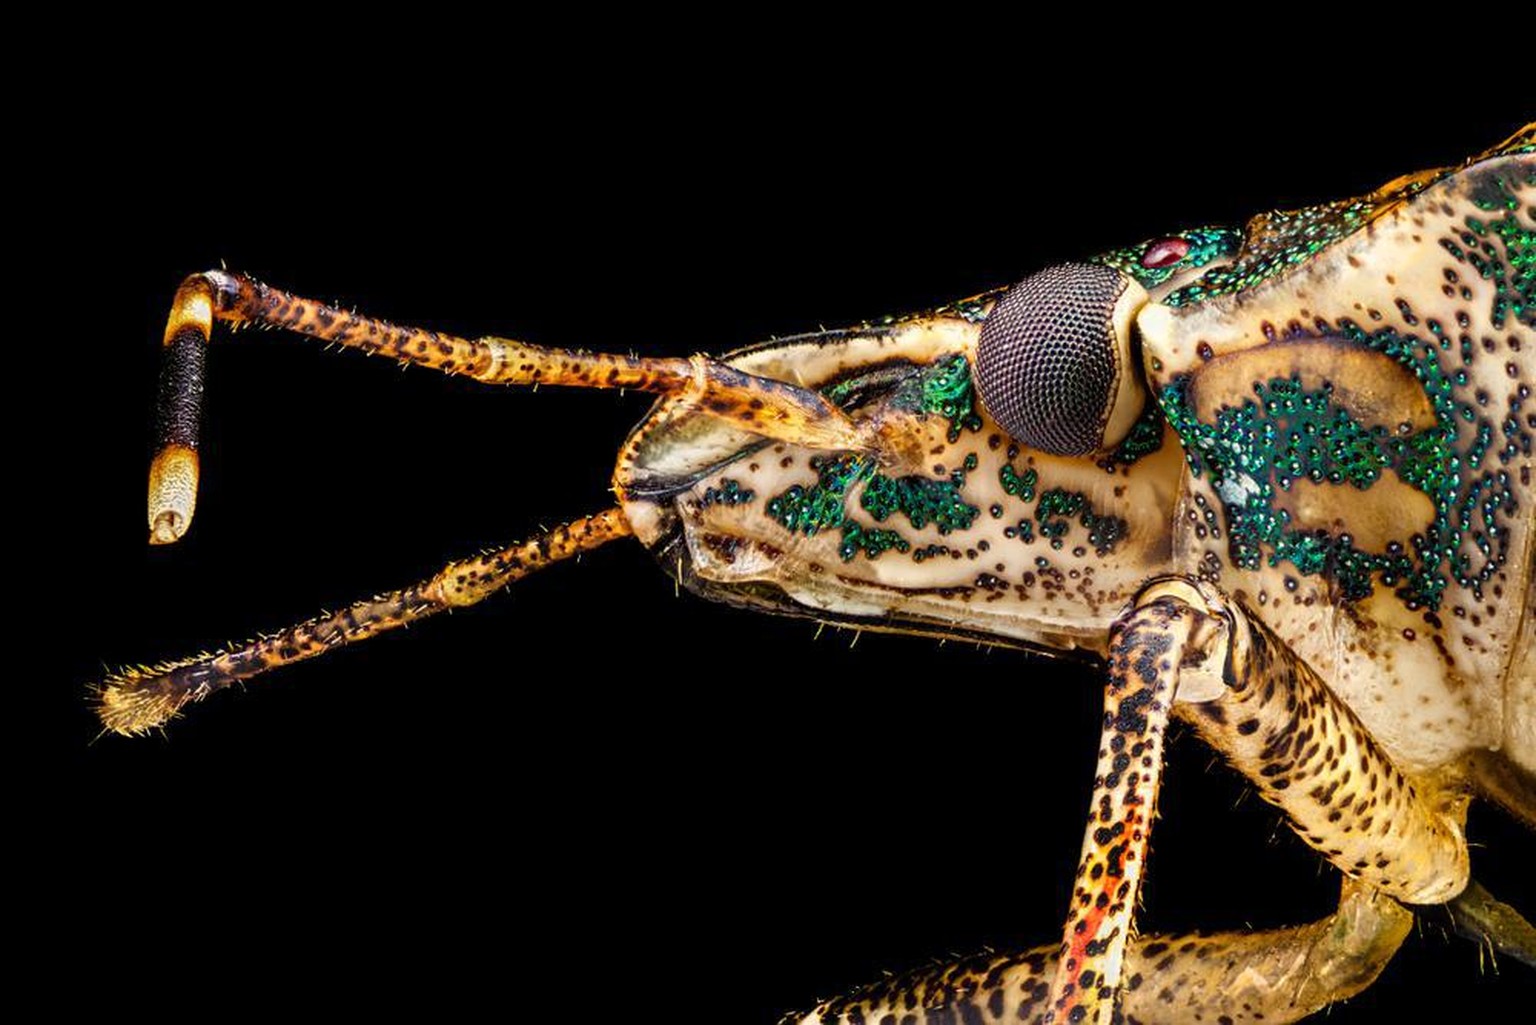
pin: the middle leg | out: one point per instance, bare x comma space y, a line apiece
1275, 721
1269, 975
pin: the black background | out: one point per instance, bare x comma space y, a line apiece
683, 810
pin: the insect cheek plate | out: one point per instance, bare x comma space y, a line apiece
1055, 364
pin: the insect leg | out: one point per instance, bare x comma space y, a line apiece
1269, 975
1484, 919
136, 700
774, 409
1167, 627
1277, 723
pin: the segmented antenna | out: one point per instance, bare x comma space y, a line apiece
179, 411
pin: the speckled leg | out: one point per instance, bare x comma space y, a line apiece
1273, 976
770, 408
1147, 646
137, 700
1276, 722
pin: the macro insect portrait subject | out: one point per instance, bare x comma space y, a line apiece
1255, 470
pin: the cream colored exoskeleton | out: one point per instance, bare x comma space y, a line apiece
1278, 477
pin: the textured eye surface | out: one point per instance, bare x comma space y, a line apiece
1049, 364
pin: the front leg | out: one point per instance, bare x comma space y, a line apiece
1166, 628
1269, 713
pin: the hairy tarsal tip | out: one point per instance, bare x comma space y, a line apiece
131, 705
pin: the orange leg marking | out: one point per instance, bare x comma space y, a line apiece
1146, 649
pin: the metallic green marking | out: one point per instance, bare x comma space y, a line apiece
1144, 438
1512, 271
921, 500
730, 492
1291, 237
823, 506
869, 384
1285, 434
1294, 237
820, 507
1024, 530
1057, 506
1055, 511
1104, 532
1053, 506
1019, 485
1205, 245
943, 388
872, 542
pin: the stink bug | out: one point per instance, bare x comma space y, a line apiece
905, 430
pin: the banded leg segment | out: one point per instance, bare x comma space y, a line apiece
1147, 646
136, 700
774, 409
1271, 975
179, 412
1277, 723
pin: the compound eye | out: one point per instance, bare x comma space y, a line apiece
1053, 364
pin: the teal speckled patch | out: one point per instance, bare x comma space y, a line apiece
1290, 238
921, 500
730, 492
1512, 270
1285, 434
1055, 511
1144, 438
823, 505
1020, 485
943, 388
1205, 245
